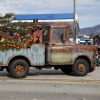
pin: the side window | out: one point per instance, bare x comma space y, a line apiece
70, 32
58, 34
45, 34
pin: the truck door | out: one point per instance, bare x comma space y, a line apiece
60, 53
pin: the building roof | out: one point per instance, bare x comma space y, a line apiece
43, 16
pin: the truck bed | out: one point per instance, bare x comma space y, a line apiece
35, 54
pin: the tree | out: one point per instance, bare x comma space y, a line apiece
80, 36
6, 25
5, 22
21, 27
91, 35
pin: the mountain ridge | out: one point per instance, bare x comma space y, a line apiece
95, 30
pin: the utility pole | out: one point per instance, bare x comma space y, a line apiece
74, 26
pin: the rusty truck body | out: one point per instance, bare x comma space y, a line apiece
55, 51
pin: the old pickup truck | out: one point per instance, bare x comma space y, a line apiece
56, 50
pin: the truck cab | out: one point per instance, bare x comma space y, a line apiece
56, 40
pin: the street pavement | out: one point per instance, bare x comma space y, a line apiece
49, 84
48, 90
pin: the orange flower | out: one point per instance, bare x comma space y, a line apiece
10, 44
14, 45
3, 44
35, 38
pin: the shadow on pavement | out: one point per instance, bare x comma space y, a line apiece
34, 72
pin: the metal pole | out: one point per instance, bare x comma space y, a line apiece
74, 19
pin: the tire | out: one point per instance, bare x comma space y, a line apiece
67, 69
80, 67
7, 69
19, 68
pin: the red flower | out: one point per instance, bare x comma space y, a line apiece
17, 35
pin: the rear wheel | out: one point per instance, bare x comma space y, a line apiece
18, 68
80, 67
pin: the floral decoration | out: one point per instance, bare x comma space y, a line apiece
6, 44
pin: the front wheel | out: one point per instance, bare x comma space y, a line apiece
80, 67
18, 68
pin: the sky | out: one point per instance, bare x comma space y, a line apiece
88, 11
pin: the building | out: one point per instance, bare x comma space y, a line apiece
97, 40
47, 19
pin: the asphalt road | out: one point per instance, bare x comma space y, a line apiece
41, 90
50, 85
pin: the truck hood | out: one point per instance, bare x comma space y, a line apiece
87, 47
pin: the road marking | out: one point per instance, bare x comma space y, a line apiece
54, 80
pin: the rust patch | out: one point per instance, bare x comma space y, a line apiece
87, 47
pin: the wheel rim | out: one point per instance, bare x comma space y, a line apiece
19, 69
81, 67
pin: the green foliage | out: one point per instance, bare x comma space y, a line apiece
5, 22
80, 36
21, 27
6, 25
